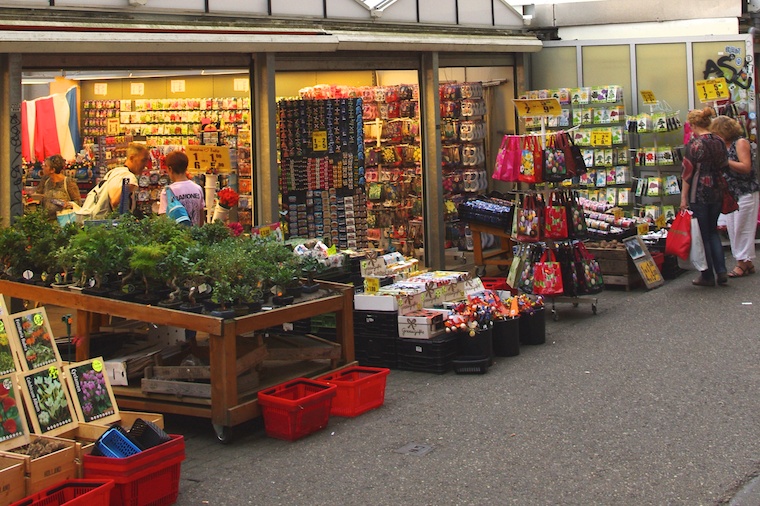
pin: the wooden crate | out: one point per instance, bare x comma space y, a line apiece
12, 482
617, 267
50, 469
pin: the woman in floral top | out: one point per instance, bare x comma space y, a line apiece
704, 164
743, 184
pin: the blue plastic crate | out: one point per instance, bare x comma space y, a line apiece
113, 443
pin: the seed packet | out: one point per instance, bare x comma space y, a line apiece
654, 186
91, 391
47, 401
33, 341
13, 429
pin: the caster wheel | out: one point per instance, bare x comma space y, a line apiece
593, 308
223, 433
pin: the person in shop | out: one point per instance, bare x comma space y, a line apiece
58, 191
705, 161
189, 193
138, 157
742, 182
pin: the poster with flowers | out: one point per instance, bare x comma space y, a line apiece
33, 340
13, 429
47, 401
91, 391
8, 362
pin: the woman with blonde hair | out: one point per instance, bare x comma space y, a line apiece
743, 184
704, 163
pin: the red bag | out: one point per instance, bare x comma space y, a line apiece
678, 242
507, 167
531, 163
555, 219
547, 275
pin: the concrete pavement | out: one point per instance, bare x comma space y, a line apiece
652, 401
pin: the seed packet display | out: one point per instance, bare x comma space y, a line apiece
13, 429
32, 339
47, 401
91, 391
8, 359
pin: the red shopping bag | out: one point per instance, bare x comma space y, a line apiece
555, 219
547, 275
678, 242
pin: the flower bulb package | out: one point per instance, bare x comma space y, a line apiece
47, 401
13, 429
91, 391
32, 340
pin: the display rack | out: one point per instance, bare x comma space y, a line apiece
227, 407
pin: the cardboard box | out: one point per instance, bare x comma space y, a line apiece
409, 297
378, 302
423, 324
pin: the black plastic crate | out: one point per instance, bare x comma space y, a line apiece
471, 365
376, 323
376, 351
427, 355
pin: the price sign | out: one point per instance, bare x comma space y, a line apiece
112, 126
642, 259
710, 90
601, 137
319, 140
371, 285
648, 97
541, 107
642, 228
661, 221
205, 158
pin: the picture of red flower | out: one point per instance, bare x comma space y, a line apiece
10, 417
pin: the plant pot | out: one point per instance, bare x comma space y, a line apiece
60, 286
255, 306
149, 299
310, 288
220, 213
240, 309
533, 327
121, 295
170, 304
223, 313
480, 345
282, 300
294, 291
98, 292
506, 337
191, 308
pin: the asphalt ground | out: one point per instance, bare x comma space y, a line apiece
652, 401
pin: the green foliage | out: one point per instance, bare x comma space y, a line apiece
210, 233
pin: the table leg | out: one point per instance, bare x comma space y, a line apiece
224, 388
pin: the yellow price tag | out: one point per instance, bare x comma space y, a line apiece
53, 371
642, 228
332, 250
650, 271
648, 97
661, 221
37, 319
371, 285
319, 140
541, 107
265, 231
601, 137
97, 365
206, 158
709, 90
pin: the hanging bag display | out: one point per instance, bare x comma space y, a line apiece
501, 160
566, 258
554, 166
507, 167
588, 271
574, 158
555, 219
518, 261
528, 220
547, 275
527, 279
531, 164
678, 242
576, 218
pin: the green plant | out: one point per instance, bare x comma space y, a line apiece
12, 251
211, 233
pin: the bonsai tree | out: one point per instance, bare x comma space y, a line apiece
311, 265
94, 253
211, 233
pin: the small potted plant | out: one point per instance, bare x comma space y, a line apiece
311, 265
227, 198
285, 279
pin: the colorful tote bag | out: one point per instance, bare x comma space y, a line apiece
555, 219
531, 165
547, 275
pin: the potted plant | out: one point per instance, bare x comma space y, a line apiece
311, 265
227, 198
285, 279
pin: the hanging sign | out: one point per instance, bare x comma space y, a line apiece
601, 137
319, 140
648, 97
541, 107
643, 261
137, 89
100, 89
211, 159
709, 90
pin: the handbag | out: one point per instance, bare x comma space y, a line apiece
576, 166
576, 217
678, 242
728, 203
588, 271
696, 259
529, 220
531, 164
555, 219
518, 261
566, 258
175, 210
548, 275
554, 166
527, 279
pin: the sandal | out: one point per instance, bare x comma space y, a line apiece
740, 272
751, 269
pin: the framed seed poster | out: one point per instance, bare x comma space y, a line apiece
643, 261
47, 401
91, 391
33, 340
8, 359
13, 429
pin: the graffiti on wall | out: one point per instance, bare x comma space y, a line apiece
17, 183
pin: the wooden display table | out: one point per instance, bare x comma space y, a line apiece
226, 408
501, 257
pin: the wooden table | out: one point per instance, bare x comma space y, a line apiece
501, 257
226, 408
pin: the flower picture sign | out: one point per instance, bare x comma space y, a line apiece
91, 391
47, 401
13, 429
33, 339
7, 361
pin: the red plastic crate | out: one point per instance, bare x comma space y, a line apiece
72, 493
495, 283
359, 389
659, 258
296, 408
148, 478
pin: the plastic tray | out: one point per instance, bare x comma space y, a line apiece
470, 365
72, 493
114, 443
296, 408
150, 477
360, 389
148, 434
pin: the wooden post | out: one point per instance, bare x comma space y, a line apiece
223, 360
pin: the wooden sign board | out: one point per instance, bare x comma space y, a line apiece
643, 261
208, 159
91, 391
47, 401
538, 107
